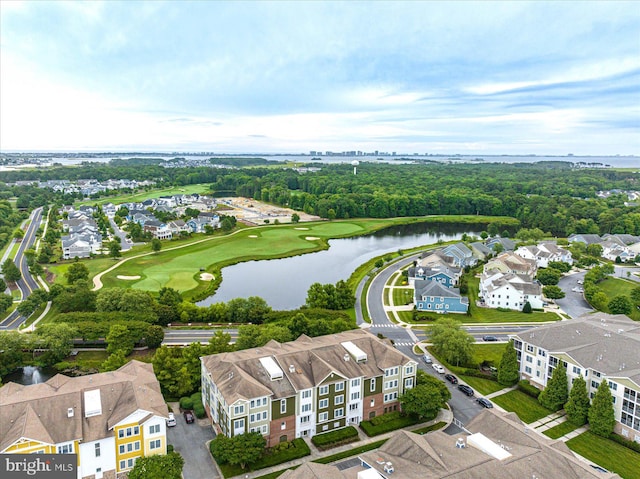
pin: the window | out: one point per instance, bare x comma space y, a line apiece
390, 396
65, 448
252, 418
577, 370
121, 449
306, 394
338, 399
253, 403
594, 384
339, 387
338, 412
304, 419
409, 370
323, 404
408, 383
528, 358
391, 372
238, 410
97, 446
373, 402
123, 465
238, 424
613, 386
155, 444
324, 390
283, 406
121, 433
355, 383
154, 429
323, 416
527, 369
283, 425
131, 462
391, 384
306, 408
353, 407
264, 415
355, 396
372, 386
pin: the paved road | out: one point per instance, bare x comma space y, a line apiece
178, 337
27, 284
125, 243
191, 440
573, 303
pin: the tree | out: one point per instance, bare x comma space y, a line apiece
119, 339
423, 401
11, 345
172, 372
114, 249
635, 295
154, 336
553, 292
57, 338
242, 449
594, 250
451, 342
77, 271
3, 286
169, 296
156, 245
5, 302
577, 407
167, 466
295, 218
114, 361
599, 300
527, 308
508, 373
555, 395
220, 342
18, 234
601, 415
548, 276
620, 304
10, 271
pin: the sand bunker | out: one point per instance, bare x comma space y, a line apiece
302, 229
207, 277
312, 238
128, 278
253, 236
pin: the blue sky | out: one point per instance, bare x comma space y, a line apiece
427, 77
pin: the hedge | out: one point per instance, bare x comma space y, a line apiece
625, 442
433, 427
283, 452
186, 403
528, 389
335, 438
198, 407
389, 422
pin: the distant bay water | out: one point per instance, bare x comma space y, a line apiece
614, 161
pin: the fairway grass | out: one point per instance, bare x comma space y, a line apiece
607, 453
527, 408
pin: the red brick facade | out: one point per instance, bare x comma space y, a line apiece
276, 430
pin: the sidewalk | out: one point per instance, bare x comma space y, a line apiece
444, 415
549, 421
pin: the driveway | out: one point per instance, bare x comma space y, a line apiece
191, 440
573, 303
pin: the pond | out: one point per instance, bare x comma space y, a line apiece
30, 375
284, 283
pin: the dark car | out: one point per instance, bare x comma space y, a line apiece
489, 338
451, 378
465, 389
484, 402
188, 416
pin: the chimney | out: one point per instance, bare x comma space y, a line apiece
70, 412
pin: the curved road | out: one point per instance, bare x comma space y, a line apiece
27, 284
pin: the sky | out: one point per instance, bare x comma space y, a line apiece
291, 77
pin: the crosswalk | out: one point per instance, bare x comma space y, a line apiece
386, 325
403, 343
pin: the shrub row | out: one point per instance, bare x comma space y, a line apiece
625, 442
193, 402
433, 427
528, 389
335, 438
395, 420
283, 452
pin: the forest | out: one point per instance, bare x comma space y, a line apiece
551, 196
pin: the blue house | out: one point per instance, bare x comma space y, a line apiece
445, 275
461, 254
432, 296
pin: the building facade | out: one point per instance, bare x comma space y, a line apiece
107, 419
304, 387
598, 347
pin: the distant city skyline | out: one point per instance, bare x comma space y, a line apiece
470, 78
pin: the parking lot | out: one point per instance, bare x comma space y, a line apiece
191, 441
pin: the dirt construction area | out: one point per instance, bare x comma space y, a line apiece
254, 212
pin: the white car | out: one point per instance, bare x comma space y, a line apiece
439, 369
427, 358
171, 421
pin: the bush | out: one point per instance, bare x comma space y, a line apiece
625, 442
389, 422
528, 389
198, 410
281, 453
186, 403
335, 438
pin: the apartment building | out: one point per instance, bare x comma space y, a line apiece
599, 347
107, 419
304, 387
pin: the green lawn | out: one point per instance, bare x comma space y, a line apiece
402, 296
608, 454
527, 408
202, 188
613, 287
560, 430
489, 352
483, 386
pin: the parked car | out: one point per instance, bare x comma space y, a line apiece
427, 358
465, 389
484, 402
439, 369
171, 421
489, 338
580, 281
451, 378
188, 416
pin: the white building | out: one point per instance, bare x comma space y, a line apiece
512, 291
544, 253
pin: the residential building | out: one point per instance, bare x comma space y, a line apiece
433, 296
461, 254
509, 290
197, 225
444, 274
494, 445
480, 250
614, 248
81, 245
545, 253
505, 243
304, 387
108, 419
585, 238
599, 347
509, 262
